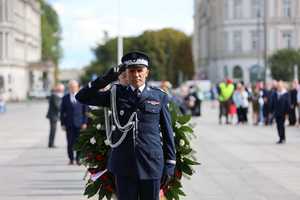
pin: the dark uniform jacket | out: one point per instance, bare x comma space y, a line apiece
280, 104
144, 157
72, 114
54, 107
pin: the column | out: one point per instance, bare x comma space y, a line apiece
2, 10
3, 45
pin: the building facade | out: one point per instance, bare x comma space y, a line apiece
21, 70
232, 38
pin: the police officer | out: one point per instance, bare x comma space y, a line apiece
144, 161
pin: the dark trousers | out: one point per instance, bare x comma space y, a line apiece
134, 189
242, 114
72, 136
280, 127
292, 116
53, 125
224, 110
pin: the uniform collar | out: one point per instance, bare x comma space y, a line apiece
141, 89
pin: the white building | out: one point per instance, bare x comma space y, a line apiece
21, 70
229, 35
65, 75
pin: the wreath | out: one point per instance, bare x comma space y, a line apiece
94, 155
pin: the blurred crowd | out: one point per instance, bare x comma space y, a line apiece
270, 102
236, 99
187, 98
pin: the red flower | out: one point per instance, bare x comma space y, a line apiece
178, 174
93, 170
99, 157
109, 188
165, 190
104, 177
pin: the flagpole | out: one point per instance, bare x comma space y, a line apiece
120, 38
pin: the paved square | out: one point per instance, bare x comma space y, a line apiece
238, 162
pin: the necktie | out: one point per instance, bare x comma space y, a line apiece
137, 94
73, 99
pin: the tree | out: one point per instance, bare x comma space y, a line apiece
169, 50
51, 31
282, 64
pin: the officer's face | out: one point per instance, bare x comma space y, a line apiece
137, 76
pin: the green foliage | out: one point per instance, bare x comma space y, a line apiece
170, 51
51, 31
94, 155
282, 64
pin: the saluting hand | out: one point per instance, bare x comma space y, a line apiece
111, 75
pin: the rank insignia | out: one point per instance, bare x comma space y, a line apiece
153, 102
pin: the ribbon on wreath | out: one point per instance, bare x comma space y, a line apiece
95, 176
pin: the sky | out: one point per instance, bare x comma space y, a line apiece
84, 22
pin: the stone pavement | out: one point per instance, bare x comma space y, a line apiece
238, 162
243, 162
28, 169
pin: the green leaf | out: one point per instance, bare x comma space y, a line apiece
180, 192
183, 119
101, 194
190, 162
186, 169
186, 129
91, 189
108, 196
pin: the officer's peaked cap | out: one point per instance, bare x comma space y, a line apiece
135, 58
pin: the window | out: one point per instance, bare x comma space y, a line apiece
237, 9
287, 11
1, 46
6, 45
237, 72
257, 40
226, 9
225, 41
287, 38
257, 8
237, 41
254, 40
2, 88
225, 71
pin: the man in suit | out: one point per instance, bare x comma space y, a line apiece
293, 95
280, 108
73, 118
143, 161
54, 101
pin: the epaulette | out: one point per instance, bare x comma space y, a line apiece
157, 88
118, 85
